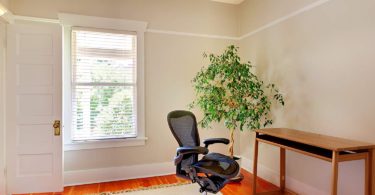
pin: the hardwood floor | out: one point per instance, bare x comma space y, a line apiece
243, 188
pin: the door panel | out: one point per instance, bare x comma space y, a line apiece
33, 90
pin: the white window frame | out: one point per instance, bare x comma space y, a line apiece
70, 20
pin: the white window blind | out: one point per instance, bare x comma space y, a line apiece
104, 69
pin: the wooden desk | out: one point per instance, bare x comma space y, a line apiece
328, 148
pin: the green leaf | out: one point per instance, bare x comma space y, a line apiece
227, 90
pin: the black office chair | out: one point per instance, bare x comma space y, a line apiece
214, 170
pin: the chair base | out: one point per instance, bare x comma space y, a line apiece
236, 179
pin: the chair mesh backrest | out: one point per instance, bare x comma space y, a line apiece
183, 125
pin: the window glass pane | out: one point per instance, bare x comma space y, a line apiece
103, 85
104, 57
103, 112
102, 70
90, 39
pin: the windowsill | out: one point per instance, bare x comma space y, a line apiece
97, 144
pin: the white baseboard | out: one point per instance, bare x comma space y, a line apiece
273, 177
117, 173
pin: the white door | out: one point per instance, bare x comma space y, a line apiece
33, 103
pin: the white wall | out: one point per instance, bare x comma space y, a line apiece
323, 60
265, 11
193, 16
2, 106
171, 61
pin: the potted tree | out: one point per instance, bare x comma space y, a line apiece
227, 91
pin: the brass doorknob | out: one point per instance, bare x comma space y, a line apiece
56, 126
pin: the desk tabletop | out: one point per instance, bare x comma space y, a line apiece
318, 140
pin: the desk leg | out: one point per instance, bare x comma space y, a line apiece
371, 172
255, 165
367, 174
335, 167
282, 169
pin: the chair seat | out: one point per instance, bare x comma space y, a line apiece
217, 164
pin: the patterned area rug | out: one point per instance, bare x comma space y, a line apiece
172, 189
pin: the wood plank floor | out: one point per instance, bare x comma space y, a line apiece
243, 188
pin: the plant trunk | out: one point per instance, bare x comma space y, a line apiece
231, 144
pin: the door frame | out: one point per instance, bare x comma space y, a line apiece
5, 19
2, 107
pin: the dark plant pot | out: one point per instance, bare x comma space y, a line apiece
239, 177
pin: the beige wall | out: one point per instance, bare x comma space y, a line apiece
171, 61
256, 13
324, 62
5, 3
321, 59
194, 16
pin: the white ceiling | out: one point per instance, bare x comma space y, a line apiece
236, 2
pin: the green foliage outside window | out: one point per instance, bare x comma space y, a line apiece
111, 109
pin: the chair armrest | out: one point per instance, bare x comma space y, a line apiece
210, 141
192, 150
181, 151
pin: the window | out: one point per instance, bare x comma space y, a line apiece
103, 82
104, 88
